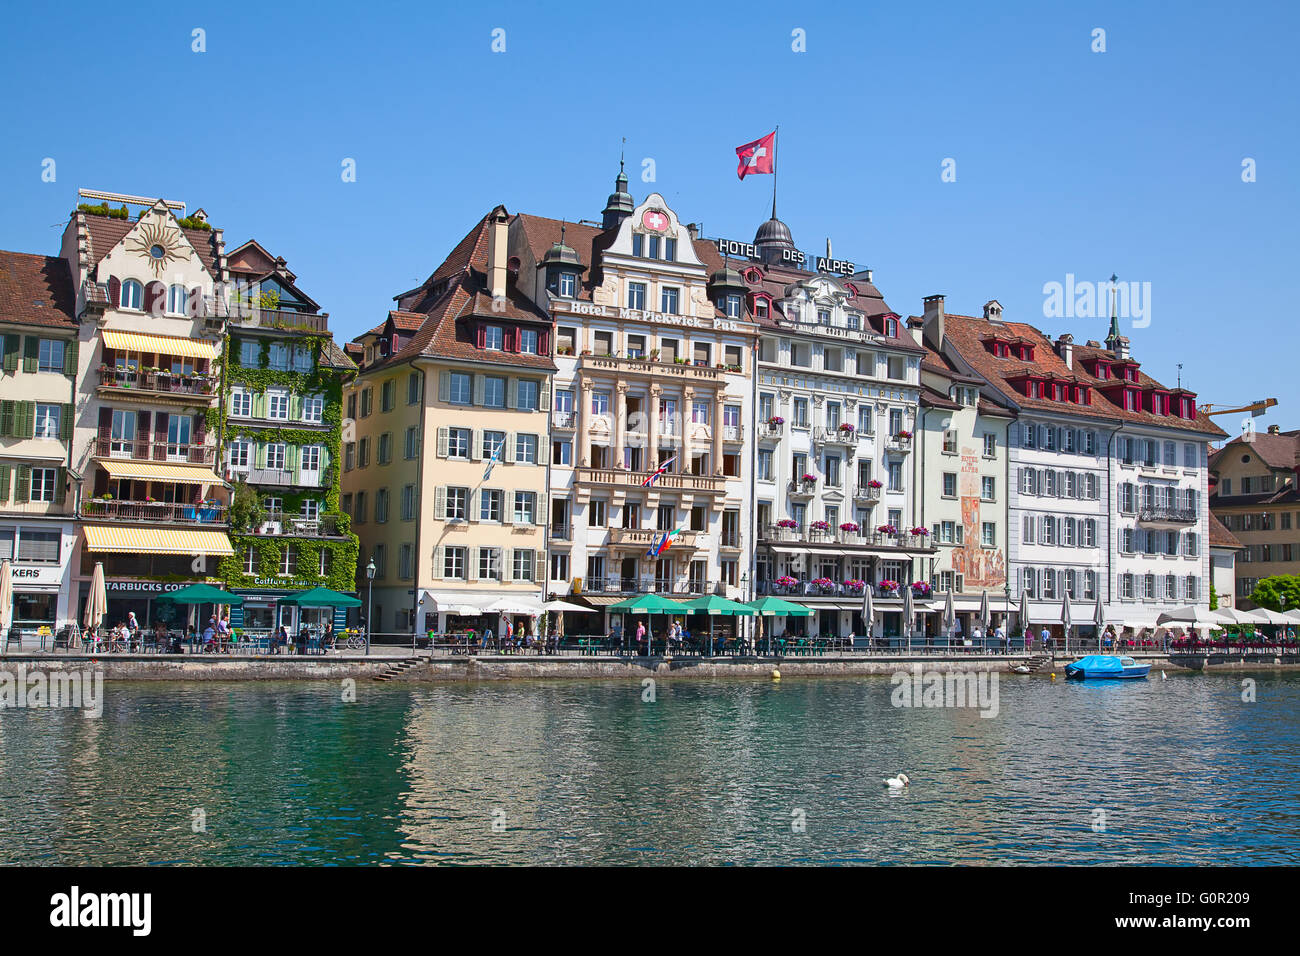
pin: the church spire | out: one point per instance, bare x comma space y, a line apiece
619, 205
1113, 338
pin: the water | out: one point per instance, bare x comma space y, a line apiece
712, 772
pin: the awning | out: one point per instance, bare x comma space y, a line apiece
159, 471
159, 344
601, 600
189, 541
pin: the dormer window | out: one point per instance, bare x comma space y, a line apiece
638, 244
1103, 371
891, 328
670, 249
493, 338
760, 307
732, 306
824, 316
568, 284
132, 295
654, 247
528, 341
853, 321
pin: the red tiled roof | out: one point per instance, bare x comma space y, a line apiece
1220, 536
966, 334
36, 290
1280, 451
104, 234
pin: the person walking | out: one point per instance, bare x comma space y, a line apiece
640, 635
1046, 638
1000, 635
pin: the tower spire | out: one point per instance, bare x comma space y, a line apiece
1113, 337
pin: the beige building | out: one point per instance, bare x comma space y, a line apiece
444, 461
1254, 495
38, 336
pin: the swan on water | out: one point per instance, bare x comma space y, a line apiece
897, 783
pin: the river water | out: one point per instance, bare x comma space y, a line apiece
710, 772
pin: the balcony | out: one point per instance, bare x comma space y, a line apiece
679, 589
619, 477
866, 538
155, 451
899, 445
771, 431
646, 537
156, 384
283, 478
277, 523
731, 542
649, 369
282, 320
561, 532
160, 512
867, 495
732, 433
565, 420
1167, 517
801, 489
847, 438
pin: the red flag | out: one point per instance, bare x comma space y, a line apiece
758, 156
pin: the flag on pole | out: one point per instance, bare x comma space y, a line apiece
758, 156
496, 456
664, 542
661, 470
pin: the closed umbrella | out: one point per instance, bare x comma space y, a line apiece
1099, 618
1024, 619
909, 616
1066, 622
986, 617
97, 600
949, 616
6, 598
868, 613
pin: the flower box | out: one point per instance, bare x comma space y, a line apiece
886, 529
920, 532
786, 581
820, 526
787, 523
903, 435
849, 526
890, 586
776, 420
823, 583
846, 429
920, 588
809, 479
855, 585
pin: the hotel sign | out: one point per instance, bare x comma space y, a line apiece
660, 318
793, 257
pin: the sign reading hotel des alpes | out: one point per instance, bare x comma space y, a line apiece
790, 257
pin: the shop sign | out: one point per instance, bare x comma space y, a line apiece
144, 587
50, 575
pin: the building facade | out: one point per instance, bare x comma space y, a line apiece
1109, 471
1254, 495
38, 400
280, 424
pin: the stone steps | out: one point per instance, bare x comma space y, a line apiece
397, 669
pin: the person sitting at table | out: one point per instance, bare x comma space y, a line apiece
281, 639
210, 636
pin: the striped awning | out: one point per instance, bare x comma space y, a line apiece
157, 540
159, 471
159, 344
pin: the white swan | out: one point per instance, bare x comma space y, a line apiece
1163, 676
897, 783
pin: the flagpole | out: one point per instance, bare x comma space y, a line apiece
776, 149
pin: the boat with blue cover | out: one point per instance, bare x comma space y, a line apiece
1106, 667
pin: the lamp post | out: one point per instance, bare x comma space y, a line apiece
370, 601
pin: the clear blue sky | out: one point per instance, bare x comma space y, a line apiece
1067, 161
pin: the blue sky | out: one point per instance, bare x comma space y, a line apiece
1067, 161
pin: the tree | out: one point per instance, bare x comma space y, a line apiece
1281, 592
245, 508
1214, 598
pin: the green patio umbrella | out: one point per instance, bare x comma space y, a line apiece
320, 597
775, 607
716, 604
650, 604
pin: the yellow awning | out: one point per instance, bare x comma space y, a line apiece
159, 471
157, 540
159, 344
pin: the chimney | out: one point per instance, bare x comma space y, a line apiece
1065, 349
694, 230
498, 236
933, 327
993, 310
1275, 429
1119, 347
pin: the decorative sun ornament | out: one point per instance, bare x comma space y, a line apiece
159, 244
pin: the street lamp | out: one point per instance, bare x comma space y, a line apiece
370, 601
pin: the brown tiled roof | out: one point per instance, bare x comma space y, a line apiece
1220, 536
965, 334
105, 233
335, 357
1280, 451
36, 290
932, 398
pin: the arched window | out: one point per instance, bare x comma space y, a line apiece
132, 294
176, 300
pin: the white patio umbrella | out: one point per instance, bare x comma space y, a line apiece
558, 608
97, 599
1271, 617
1190, 617
986, 616
949, 616
1066, 621
1024, 618
1232, 615
1099, 618
909, 615
6, 597
1293, 615
868, 613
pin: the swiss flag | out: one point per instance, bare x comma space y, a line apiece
758, 156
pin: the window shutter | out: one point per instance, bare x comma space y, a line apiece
479, 389
24, 486
961, 533
476, 445
65, 423
25, 427
61, 486
114, 291
295, 407
8, 411
508, 453
440, 502
12, 345
511, 386
544, 396
259, 455
444, 385
473, 556
439, 564
70, 359
31, 353
539, 567
507, 565
508, 507
4, 484
442, 441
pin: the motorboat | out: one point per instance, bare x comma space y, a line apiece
1106, 667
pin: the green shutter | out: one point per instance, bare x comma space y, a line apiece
65, 424
61, 486
259, 455
7, 418
25, 423
4, 484
24, 489
70, 359
12, 346
259, 405
31, 353
295, 407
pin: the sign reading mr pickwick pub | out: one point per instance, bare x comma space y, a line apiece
641, 315
790, 257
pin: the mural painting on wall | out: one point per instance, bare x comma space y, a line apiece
980, 567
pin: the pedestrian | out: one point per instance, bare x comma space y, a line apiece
1000, 633
1046, 637
640, 635
131, 623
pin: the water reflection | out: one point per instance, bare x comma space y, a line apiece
710, 773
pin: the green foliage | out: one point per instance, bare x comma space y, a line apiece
1281, 592
104, 209
189, 222
1214, 597
342, 561
246, 509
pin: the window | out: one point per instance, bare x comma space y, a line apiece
522, 566
250, 560
302, 359
562, 453
250, 354
381, 505
494, 391
367, 402
458, 388
50, 355
275, 456
800, 413
831, 470
492, 441
668, 300
990, 445
360, 514
568, 286
989, 534
313, 409
529, 393
288, 561
239, 454
241, 403
950, 442
457, 504
363, 453
44, 482
526, 449
866, 420
731, 305
493, 338
1029, 436
277, 404
453, 563
385, 454
670, 249
700, 412
489, 563
895, 470
387, 395
458, 440
1028, 530
412, 442
349, 455
559, 567
525, 510
131, 294
47, 420
765, 464
489, 504
636, 295
38, 547
897, 367
950, 484
528, 338
279, 359
596, 512
988, 488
